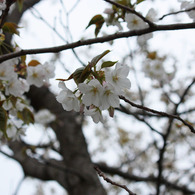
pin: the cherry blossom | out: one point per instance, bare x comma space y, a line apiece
11, 131
97, 93
151, 15
16, 87
20, 105
109, 97
134, 22
67, 98
15, 128
44, 116
117, 78
35, 75
110, 20
7, 71
49, 70
95, 114
92, 92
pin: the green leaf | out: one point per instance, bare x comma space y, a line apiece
81, 74
97, 20
122, 2
26, 115
3, 121
96, 59
139, 1
20, 5
108, 64
10, 27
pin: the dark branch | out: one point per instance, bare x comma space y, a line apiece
177, 12
158, 112
98, 40
112, 182
135, 178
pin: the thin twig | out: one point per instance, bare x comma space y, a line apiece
157, 112
39, 16
19, 185
151, 24
177, 12
112, 182
150, 178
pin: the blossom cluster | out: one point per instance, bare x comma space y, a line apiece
155, 70
15, 79
134, 22
99, 91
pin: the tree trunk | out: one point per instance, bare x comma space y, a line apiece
68, 129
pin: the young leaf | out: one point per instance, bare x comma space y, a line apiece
33, 63
96, 59
3, 121
98, 20
81, 74
108, 64
10, 27
26, 115
139, 1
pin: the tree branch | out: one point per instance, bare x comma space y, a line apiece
112, 182
103, 39
135, 178
158, 112
177, 12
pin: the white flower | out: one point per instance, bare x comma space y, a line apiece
15, 129
16, 87
67, 98
11, 131
95, 113
109, 97
110, 20
44, 116
151, 15
92, 92
35, 75
108, 11
24, 87
142, 40
7, 71
134, 22
48, 71
154, 69
20, 105
117, 78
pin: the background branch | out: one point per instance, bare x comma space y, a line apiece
112, 182
98, 40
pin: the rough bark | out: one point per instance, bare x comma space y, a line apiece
68, 130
